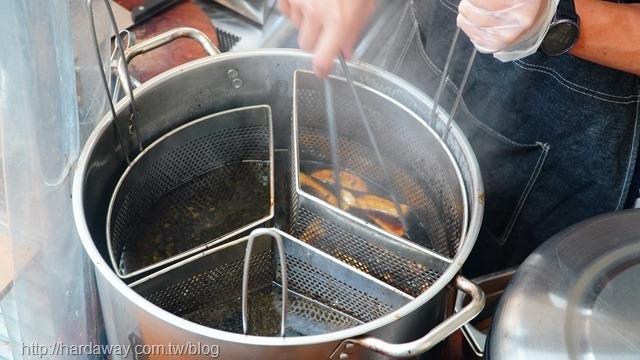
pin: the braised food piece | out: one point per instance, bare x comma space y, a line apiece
348, 179
381, 211
313, 232
348, 200
392, 225
315, 188
373, 203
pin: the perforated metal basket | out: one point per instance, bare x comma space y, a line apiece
324, 295
196, 186
349, 272
424, 175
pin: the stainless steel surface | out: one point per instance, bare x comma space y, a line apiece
169, 36
283, 279
254, 10
155, 42
428, 182
443, 81
434, 336
265, 79
165, 205
463, 83
351, 241
122, 15
119, 48
114, 81
126, 54
493, 285
332, 134
374, 143
324, 295
576, 296
278, 32
150, 8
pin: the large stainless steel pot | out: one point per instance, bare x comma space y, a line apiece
576, 296
230, 81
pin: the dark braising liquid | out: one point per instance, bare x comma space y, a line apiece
304, 316
199, 211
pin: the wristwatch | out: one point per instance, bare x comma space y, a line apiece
564, 30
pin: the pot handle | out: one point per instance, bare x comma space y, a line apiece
436, 335
169, 36
158, 41
122, 58
494, 283
122, 73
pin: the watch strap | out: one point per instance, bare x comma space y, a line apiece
567, 10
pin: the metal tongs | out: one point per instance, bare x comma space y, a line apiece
333, 139
443, 81
387, 177
119, 61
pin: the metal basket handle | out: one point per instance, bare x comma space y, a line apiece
125, 56
158, 41
147, 45
436, 335
245, 277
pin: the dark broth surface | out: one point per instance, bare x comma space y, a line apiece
304, 316
197, 212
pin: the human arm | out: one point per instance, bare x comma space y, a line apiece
609, 34
509, 29
327, 27
609, 31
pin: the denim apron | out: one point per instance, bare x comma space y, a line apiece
556, 137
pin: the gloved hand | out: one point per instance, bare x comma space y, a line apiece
327, 27
510, 29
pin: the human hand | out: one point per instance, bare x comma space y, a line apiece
509, 29
327, 27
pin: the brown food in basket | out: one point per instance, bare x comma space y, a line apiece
392, 225
316, 189
381, 211
348, 179
373, 203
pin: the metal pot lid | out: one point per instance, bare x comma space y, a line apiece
576, 297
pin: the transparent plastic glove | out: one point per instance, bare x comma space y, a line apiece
509, 29
327, 27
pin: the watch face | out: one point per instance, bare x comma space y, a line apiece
560, 38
